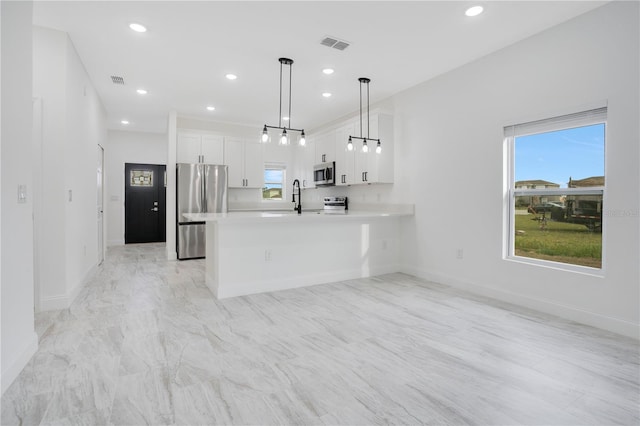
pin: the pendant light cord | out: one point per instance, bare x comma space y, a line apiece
368, 110
360, 109
280, 110
290, 71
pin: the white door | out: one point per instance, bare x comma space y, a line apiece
100, 204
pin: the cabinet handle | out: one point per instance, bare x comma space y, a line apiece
366, 178
304, 183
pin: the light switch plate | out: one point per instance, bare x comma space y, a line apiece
22, 194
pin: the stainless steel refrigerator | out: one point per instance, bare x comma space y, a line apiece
201, 188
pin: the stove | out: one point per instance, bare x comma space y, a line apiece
336, 205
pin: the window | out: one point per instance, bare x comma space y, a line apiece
556, 183
274, 182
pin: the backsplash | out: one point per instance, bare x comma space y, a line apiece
360, 197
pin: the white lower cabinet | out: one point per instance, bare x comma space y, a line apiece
245, 161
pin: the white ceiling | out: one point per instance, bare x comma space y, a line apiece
189, 47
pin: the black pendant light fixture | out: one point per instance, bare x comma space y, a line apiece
365, 147
284, 136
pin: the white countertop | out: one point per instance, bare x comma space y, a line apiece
291, 216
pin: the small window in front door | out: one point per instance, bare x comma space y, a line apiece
141, 177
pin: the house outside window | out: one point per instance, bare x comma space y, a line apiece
274, 182
556, 189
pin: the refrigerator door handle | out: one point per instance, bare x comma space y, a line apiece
203, 189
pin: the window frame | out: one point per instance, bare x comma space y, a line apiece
275, 166
561, 122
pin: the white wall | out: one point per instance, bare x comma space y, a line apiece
449, 162
49, 58
19, 340
127, 147
73, 125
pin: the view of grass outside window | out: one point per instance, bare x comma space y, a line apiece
274, 178
557, 188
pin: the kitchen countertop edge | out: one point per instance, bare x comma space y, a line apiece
309, 216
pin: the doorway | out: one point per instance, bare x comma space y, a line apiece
145, 203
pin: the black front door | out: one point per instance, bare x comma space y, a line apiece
144, 203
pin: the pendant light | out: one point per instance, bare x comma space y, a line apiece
365, 147
284, 136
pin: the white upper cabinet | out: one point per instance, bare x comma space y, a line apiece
326, 147
345, 159
304, 161
197, 147
253, 165
245, 161
358, 167
212, 149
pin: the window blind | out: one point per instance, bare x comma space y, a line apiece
578, 119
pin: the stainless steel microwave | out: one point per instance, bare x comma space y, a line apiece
324, 174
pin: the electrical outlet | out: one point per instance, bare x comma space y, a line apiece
267, 255
459, 253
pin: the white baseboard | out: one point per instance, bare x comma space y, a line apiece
54, 303
14, 369
571, 313
264, 286
63, 301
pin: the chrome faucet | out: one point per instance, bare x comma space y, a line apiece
298, 207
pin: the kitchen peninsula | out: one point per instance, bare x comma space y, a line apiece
260, 251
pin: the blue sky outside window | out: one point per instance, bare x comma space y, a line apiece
556, 156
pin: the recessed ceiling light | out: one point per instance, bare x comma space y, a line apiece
326, 94
285, 118
125, 122
474, 11
328, 71
141, 91
139, 28
231, 76
211, 108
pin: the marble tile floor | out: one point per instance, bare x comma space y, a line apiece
145, 343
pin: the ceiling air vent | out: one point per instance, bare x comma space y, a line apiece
335, 43
117, 79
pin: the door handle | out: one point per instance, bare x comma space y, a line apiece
155, 209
